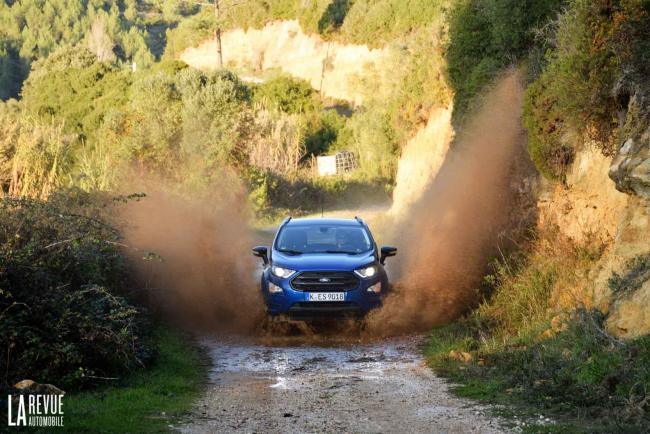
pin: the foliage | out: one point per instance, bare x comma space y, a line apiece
189, 32
13, 69
75, 87
9, 128
114, 31
287, 94
487, 35
599, 59
167, 388
548, 144
580, 373
273, 195
41, 160
377, 22
534, 342
65, 315
327, 132
276, 143
374, 143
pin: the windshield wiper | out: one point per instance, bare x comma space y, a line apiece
290, 252
347, 252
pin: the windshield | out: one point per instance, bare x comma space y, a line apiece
323, 239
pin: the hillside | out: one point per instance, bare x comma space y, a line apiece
510, 139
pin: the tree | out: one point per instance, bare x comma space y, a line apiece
221, 8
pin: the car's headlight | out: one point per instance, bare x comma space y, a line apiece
281, 272
273, 288
366, 272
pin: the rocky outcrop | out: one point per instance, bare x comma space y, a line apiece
604, 199
630, 169
629, 312
588, 206
31, 386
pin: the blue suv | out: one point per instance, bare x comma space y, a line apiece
320, 267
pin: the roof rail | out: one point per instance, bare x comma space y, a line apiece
285, 221
359, 219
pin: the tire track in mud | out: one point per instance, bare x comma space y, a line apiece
291, 385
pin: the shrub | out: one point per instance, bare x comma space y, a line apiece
548, 144
75, 87
377, 22
599, 59
326, 132
42, 159
290, 95
486, 36
272, 195
65, 310
13, 69
113, 30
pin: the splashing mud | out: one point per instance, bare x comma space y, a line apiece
202, 273
451, 231
447, 234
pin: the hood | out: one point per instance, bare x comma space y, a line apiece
322, 261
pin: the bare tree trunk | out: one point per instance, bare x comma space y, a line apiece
217, 33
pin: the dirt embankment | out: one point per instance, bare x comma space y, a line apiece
590, 209
460, 218
341, 71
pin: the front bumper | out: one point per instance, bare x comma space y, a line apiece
357, 303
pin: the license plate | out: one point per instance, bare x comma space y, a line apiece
326, 296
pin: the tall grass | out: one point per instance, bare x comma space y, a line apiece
538, 342
42, 159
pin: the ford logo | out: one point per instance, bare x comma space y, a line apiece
324, 280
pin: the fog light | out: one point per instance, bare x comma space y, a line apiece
273, 288
376, 288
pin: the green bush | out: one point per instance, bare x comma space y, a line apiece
272, 195
290, 95
114, 31
598, 61
548, 145
378, 22
190, 32
327, 132
74, 86
487, 35
66, 314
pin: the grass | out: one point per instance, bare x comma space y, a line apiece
534, 353
147, 401
581, 378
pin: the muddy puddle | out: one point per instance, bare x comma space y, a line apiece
333, 384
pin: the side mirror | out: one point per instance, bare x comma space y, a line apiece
386, 252
262, 252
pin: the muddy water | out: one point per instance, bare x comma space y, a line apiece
293, 386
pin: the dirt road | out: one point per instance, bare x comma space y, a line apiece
294, 386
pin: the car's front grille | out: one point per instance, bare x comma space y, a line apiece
325, 281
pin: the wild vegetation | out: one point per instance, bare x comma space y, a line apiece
596, 70
526, 346
537, 341
67, 312
79, 119
121, 32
